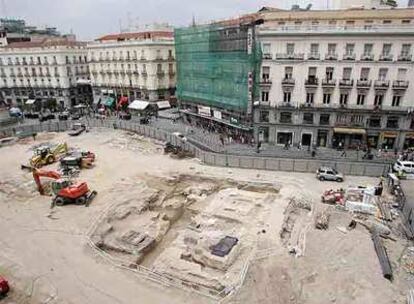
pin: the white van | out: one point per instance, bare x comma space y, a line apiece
404, 166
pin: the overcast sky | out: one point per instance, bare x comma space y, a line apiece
89, 19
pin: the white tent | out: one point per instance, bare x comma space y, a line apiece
138, 105
165, 104
30, 101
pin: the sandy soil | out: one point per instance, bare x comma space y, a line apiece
47, 260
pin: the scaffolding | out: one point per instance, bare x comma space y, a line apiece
218, 66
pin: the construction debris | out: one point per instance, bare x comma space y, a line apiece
382, 255
333, 197
322, 220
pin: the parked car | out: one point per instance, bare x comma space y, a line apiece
15, 112
404, 166
63, 115
31, 115
330, 174
75, 116
77, 129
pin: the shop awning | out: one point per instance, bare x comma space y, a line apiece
30, 101
350, 131
165, 104
389, 134
123, 100
109, 102
138, 105
409, 135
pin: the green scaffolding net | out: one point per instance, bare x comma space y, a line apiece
215, 64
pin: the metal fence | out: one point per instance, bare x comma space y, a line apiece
201, 151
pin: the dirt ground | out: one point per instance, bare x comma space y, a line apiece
45, 255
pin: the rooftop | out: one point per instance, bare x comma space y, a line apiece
137, 36
47, 42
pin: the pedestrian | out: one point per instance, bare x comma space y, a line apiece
340, 145
34, 136
259, 145
222, 139
343, 154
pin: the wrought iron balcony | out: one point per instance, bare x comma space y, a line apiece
364, 83
290, 56
314, 56
311, 82
346, 83
381, 84
386, 57
329, 82
265, 82
367, 57
400, 84
331, 56
350, 56
267, 56
288, 82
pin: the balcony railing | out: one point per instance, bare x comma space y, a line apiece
367, 57
314, 56
160, 74
346, 83
311, 82
144, 74
171, 73
290, 56
329, 82
386, 57
331, 56
349, 56
267, 56
288, 82
364, 83
265, 82
405, 57
381, 84
400, 84
170, 58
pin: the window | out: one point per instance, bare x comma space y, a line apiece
326, 98
382, 74
287, 97
364, 74
357, 120
265, 96
290, 48
308, 118
158, 54
392, 122
170, 54
402, 74
396, 100
368, 49
329, 73
310, 97
375, 122
349, 49
386, 49
314, 48
264, 116
378, 100
343, 98
288, 72
350, 22
387, 21
331, 48
265, 73
332, 22
324, 119
406, 21
346, 75
266, 49
285, 117
405, 49
297, 22
312, 73
361, 99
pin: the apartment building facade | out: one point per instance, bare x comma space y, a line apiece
52, 73
133, 65
337, 78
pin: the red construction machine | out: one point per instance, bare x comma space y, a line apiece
64, 190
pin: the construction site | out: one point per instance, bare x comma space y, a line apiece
107, 216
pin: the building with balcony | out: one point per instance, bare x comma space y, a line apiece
339, 76
50, 73
133, 66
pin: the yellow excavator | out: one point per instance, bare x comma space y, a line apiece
45, 155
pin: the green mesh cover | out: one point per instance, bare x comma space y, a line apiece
213, 66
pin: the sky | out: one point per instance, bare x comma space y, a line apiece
89, 19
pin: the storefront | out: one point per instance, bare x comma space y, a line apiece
322, 140
409, 140
373, 140
283, 138
388, 139
349, 138
306, 139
